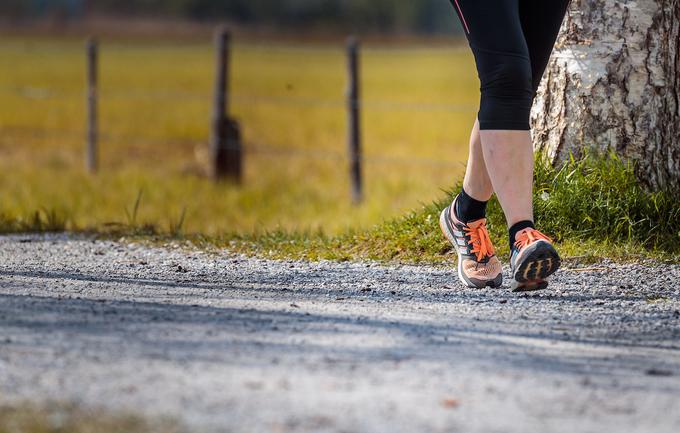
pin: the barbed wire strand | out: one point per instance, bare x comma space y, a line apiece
248, 147
247, 100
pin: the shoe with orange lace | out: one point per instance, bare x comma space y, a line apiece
532, 261
478, 266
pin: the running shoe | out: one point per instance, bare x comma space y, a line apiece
478, 266
532, 261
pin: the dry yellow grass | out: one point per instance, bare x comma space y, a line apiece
155, 110
58, 417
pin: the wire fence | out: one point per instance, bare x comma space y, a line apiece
225, 137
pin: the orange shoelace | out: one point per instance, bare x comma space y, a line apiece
479, 239
529, 236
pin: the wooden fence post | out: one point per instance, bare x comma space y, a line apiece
354, 126
225, 141
92, 153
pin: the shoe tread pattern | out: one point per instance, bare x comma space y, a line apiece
532, 273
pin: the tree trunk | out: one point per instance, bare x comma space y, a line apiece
613, 83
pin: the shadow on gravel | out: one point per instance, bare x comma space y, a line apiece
153, 330
313, 282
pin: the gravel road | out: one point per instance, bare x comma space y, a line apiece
234, 344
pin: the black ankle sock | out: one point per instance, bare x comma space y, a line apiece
518, 228
469, 209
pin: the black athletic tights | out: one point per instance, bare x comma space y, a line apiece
511, 41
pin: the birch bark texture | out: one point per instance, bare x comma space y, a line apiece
613, 83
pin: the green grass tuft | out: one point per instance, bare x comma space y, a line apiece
43, 220
599, 198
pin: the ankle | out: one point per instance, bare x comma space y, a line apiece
468, 209
516, 228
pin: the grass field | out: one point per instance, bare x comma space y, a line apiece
155, 111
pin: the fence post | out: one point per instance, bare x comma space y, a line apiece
225, 141
354, 127
91, 158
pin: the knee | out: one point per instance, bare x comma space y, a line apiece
509, 78
507, 93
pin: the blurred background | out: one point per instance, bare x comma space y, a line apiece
287, 85
423, 16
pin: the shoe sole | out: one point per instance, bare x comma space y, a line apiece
495, 283
539, 264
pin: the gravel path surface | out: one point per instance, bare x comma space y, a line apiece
235, 344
